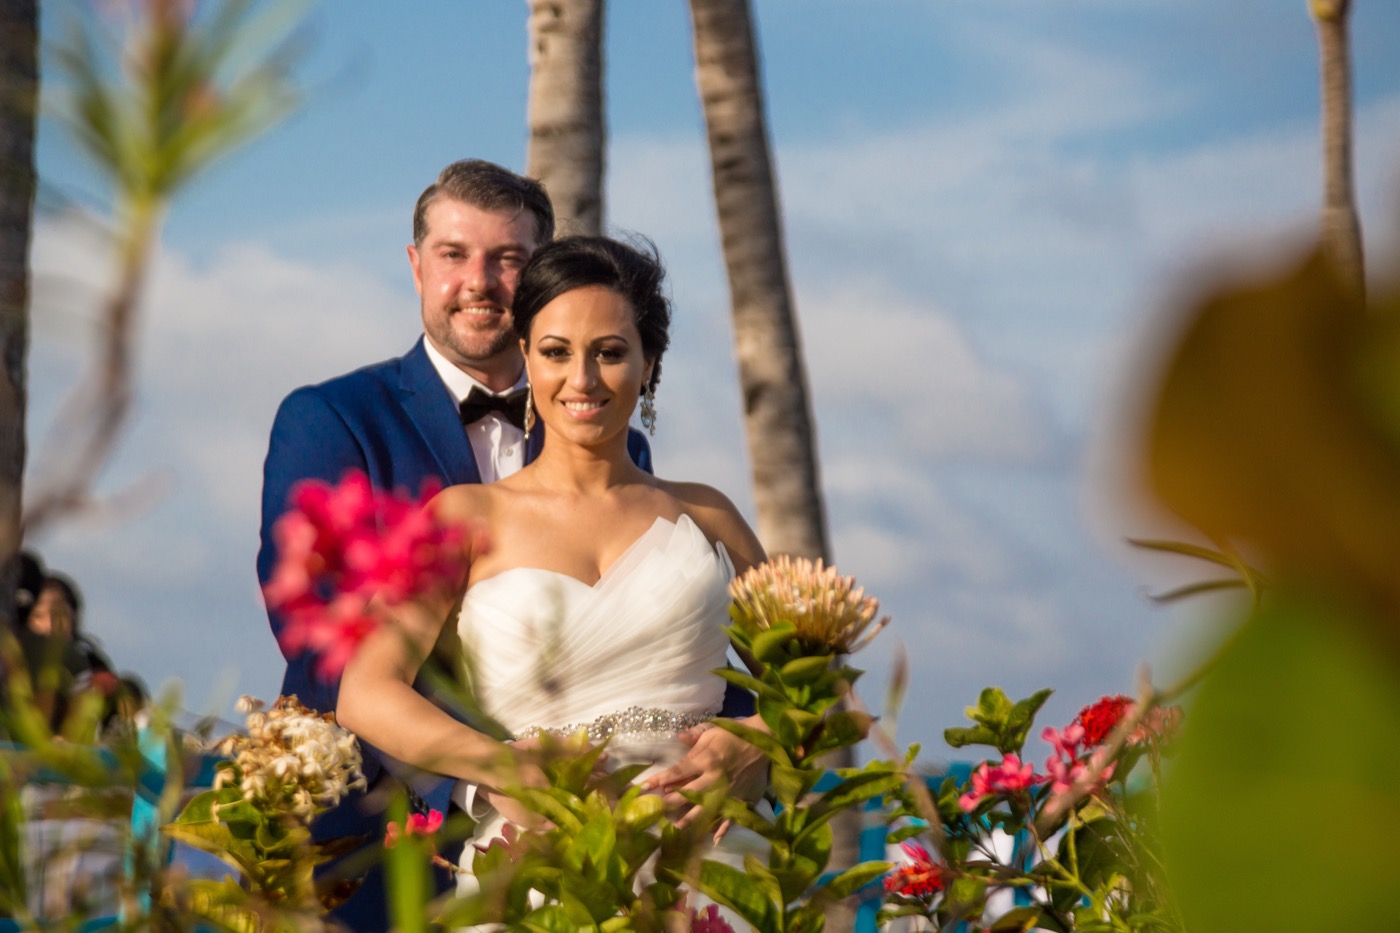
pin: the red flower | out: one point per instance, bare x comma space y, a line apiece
417, 824
921, 878
342, 546
1100, 717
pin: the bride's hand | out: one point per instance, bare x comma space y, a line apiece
528, 773
716, 756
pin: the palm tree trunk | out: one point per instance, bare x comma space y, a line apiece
777, 410
772, 377
1341, 225
566, 109
19, 94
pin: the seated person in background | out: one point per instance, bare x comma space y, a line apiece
28, 583
56, 639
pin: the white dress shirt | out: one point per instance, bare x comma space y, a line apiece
498, 445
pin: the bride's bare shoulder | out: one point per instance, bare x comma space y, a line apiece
464, 501
720, 519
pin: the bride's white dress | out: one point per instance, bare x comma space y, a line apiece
631, 657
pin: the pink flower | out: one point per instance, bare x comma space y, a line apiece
921, 878
1009, 777
1066, 744
1159, 725
417, 824
1065, 766
709, 921
341, 547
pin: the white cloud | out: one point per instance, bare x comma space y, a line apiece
909, 373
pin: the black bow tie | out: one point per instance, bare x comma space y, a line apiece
479, 404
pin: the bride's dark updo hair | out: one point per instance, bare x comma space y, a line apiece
579, 261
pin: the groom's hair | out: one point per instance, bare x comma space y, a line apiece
488, 187
573, 262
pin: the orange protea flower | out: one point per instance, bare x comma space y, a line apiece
829, 611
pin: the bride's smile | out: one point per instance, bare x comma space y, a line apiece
585, 364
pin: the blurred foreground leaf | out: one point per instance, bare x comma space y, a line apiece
1277, 428
1282, 809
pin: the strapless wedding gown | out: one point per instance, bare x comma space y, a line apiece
631, 658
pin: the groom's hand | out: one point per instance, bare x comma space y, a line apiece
716, 756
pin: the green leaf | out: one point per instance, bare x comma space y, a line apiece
770, 646
552, 918
409, 884
789, 785
639, 812
587, 899
1018, 920
993, 706
855, 790
901, 833
960, 736
1020, 720
853, 879
803, 722
1095, 855
811, 851
965, 895
736, 890
805, 670
1294, 718
750, 683
757, 738
593, 845
217, 840
14, 888
743, 814
840, 730
555, 805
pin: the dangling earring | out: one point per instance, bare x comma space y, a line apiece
648, 414
529, 410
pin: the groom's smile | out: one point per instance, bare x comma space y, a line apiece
465, 269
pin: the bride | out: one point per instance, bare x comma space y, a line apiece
599, 600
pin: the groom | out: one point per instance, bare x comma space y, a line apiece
450, 411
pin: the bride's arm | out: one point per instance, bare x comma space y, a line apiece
378, 703
377, 700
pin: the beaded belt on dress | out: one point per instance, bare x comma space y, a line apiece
633, 720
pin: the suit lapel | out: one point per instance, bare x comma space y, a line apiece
429, 405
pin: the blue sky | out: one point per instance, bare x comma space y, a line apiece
992, 209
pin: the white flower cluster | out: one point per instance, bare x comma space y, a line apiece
292, 759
